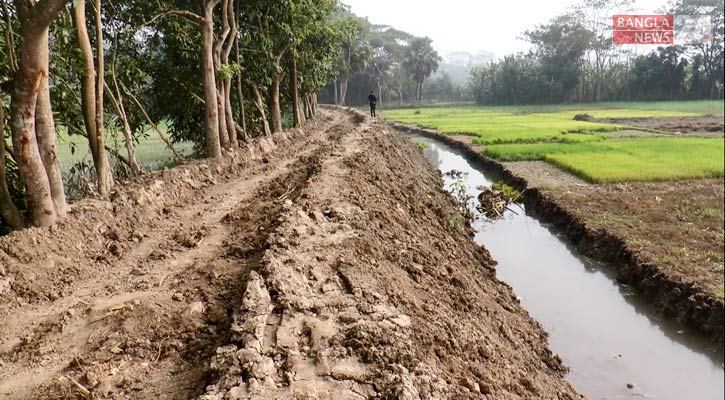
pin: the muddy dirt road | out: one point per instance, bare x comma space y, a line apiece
327, 264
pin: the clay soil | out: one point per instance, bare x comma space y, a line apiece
327, 263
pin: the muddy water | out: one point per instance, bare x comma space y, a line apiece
605, 334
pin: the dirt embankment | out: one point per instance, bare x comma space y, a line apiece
326, 263
685, 298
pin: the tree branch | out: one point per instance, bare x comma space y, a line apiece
193, 17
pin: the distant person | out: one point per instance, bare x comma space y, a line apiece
373, 103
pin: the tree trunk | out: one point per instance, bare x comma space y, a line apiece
294, 91
259, 104
30, 81
46, 136
231, 126
337, 100
229, 40
222, 115
9, 211
274, 102
211, 118
240, 92
103, 168
91, 98
343, 89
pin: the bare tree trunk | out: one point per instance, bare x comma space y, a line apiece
91, 98
343, 89
222, 116
103, 168
294, 91
30, 81
9, 211
240, 92
259, 104
46, 136
337, 101
274, 101
211, 118
230, 22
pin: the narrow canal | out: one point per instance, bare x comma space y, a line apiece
614, 344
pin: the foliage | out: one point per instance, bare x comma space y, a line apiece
573, 59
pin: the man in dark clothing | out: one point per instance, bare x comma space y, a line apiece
373, 103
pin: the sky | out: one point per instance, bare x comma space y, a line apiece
471, 25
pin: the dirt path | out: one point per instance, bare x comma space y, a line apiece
328, 264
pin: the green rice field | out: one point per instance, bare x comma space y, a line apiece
549, 133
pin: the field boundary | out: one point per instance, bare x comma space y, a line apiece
681, 301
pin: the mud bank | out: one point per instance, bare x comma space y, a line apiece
327, 263
682, 301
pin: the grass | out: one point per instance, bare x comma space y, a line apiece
549, 133
151, 151
498, 125
651, 159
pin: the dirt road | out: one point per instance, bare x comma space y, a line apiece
328, 264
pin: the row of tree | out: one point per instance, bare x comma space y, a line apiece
574, 59
218, 71
380, 58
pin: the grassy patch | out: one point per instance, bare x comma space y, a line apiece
151, 151
650, 159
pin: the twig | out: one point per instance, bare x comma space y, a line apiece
177, 156
84, 392
158, 356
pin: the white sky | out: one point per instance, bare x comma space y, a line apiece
471, 25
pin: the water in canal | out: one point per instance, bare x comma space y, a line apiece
605, 334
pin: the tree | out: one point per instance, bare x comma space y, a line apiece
354, 56
421, 61
31, 115
560, 47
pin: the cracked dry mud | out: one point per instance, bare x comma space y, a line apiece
327, 263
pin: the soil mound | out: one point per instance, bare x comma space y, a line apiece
327, 263
584, 117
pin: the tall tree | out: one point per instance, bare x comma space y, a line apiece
421, 61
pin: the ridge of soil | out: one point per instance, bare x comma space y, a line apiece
675, 297
323, 263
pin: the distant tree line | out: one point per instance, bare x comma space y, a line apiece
573, 59
394, 64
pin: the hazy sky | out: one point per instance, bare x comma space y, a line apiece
470, 25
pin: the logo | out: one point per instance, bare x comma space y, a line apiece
643, 29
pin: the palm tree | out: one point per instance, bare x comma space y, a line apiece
421, 60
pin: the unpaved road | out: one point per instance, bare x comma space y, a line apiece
329, 264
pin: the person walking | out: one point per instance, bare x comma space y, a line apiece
373, 103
